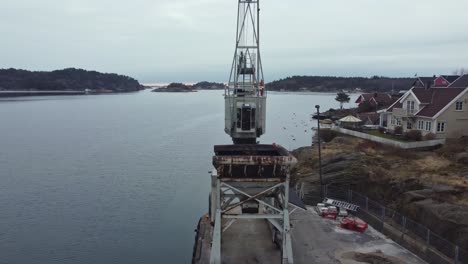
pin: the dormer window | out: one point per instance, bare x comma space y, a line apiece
410, 106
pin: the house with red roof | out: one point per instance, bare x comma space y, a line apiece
441, 81
441, 110
376, 100
424, 82
445, 80
370, 103
369, 118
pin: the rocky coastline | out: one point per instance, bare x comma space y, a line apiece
430, 187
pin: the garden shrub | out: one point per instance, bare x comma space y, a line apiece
398, 130
429, 136
414, 135
327, 135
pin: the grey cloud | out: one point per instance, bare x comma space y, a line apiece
191, 40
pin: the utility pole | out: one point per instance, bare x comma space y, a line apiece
319, 151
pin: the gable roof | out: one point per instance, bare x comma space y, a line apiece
373, 117
397, 104
461, 82
378, 98
450, 78
383, 98
404, 96
423, 95
424, 80
435, 99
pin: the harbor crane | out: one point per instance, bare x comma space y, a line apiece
250, 181
245, 95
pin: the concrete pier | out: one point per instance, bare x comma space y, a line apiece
314, 239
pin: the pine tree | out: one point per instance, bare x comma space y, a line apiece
342, 98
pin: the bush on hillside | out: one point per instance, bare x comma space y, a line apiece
327, 135
365, 145
430, 136
398, 130
452, 147
414, 135
399, 152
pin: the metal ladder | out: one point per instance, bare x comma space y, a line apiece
341, 204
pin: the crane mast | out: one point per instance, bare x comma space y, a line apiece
245, 95
250, 181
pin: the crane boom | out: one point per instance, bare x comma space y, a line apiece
245, 96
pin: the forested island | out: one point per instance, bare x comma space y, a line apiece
175, 88
334, 84
209, 86
70, 79
183, 88
311, 84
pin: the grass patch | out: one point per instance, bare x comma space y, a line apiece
382, 135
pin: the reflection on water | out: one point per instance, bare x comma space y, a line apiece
118, 178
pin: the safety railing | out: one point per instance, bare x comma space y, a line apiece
377, 215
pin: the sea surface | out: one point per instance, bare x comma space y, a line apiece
119, 178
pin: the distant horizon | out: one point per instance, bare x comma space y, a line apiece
190, 40
166, 81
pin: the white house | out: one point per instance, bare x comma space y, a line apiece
442, 111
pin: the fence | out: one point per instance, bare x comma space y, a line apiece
403, 145
378, 215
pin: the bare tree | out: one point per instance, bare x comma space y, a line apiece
459, 71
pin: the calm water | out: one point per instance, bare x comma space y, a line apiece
118, 178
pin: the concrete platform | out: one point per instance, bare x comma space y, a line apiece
249, 241
319, 240
314, 240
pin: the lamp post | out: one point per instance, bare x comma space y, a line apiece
319, 151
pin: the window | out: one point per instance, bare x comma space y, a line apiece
392, 120
409, 125
428, 125
398, 122
252, 119
410, 107
239, 118
246, 117
420, 124
459, 106
440, 126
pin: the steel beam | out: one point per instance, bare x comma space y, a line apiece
287, 254
275, 223
215, 257
260, 201
251, 197
229, 224
253, 216
227, 179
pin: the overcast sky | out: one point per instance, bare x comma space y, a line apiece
193, 40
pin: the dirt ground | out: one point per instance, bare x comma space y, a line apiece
376, 257
388, 164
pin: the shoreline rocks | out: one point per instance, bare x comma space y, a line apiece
413, 185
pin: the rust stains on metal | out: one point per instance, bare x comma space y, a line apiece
252, 161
